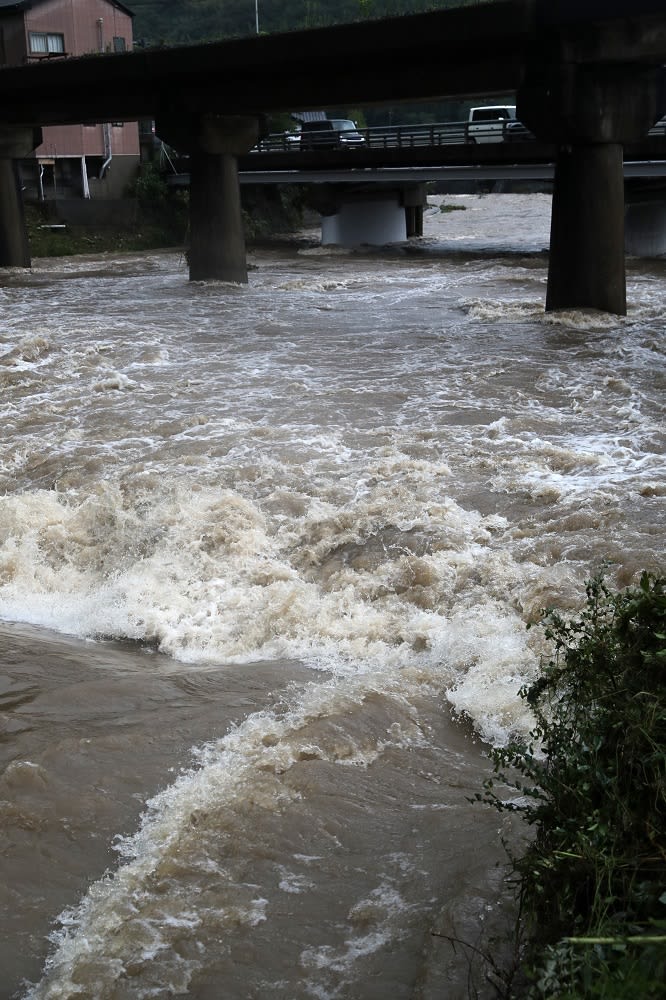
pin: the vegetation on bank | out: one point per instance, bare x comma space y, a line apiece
270, 209
591, 781
47, 240
161, 219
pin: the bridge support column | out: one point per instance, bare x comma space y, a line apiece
587, 230
14, 144
365, 220
356, 215
414, 220
414, 199
589, 111
217, 239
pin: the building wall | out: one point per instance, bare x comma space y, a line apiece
86, 26
88, 140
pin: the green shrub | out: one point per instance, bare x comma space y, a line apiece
149, 185
591, 781
158, 223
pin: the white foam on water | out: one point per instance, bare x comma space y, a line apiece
208, 577
223, 494
292, 471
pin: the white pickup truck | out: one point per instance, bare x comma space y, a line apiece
489, 124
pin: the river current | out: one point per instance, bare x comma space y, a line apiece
267, 557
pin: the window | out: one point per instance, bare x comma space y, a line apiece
490, 114
44, 43
118, 44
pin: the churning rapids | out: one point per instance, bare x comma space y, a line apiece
267, 555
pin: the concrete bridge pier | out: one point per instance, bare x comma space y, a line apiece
217, 239
367, 220
356, 216
590, 112
587, 268
414, 199
14, 144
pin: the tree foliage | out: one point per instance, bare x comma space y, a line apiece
187, 22
591, 781
183, 22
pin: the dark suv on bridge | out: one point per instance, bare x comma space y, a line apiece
330, 133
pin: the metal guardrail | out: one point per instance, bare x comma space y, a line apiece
405, 137
394, 137
411, 136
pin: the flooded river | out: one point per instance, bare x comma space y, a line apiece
267, 555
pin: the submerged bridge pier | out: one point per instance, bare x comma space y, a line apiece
214, 143
366, 214
590, 93
590, 114
15, 142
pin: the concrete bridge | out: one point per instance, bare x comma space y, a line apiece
376, 192
588, 78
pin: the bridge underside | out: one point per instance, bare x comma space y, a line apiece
587, 78
588, 240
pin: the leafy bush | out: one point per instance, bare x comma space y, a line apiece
591, 781
149, 185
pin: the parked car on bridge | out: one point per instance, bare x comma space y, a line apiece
490, 123
331, 133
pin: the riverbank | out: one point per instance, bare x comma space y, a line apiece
157, 218
50, 237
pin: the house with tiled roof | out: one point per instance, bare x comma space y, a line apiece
87, 161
